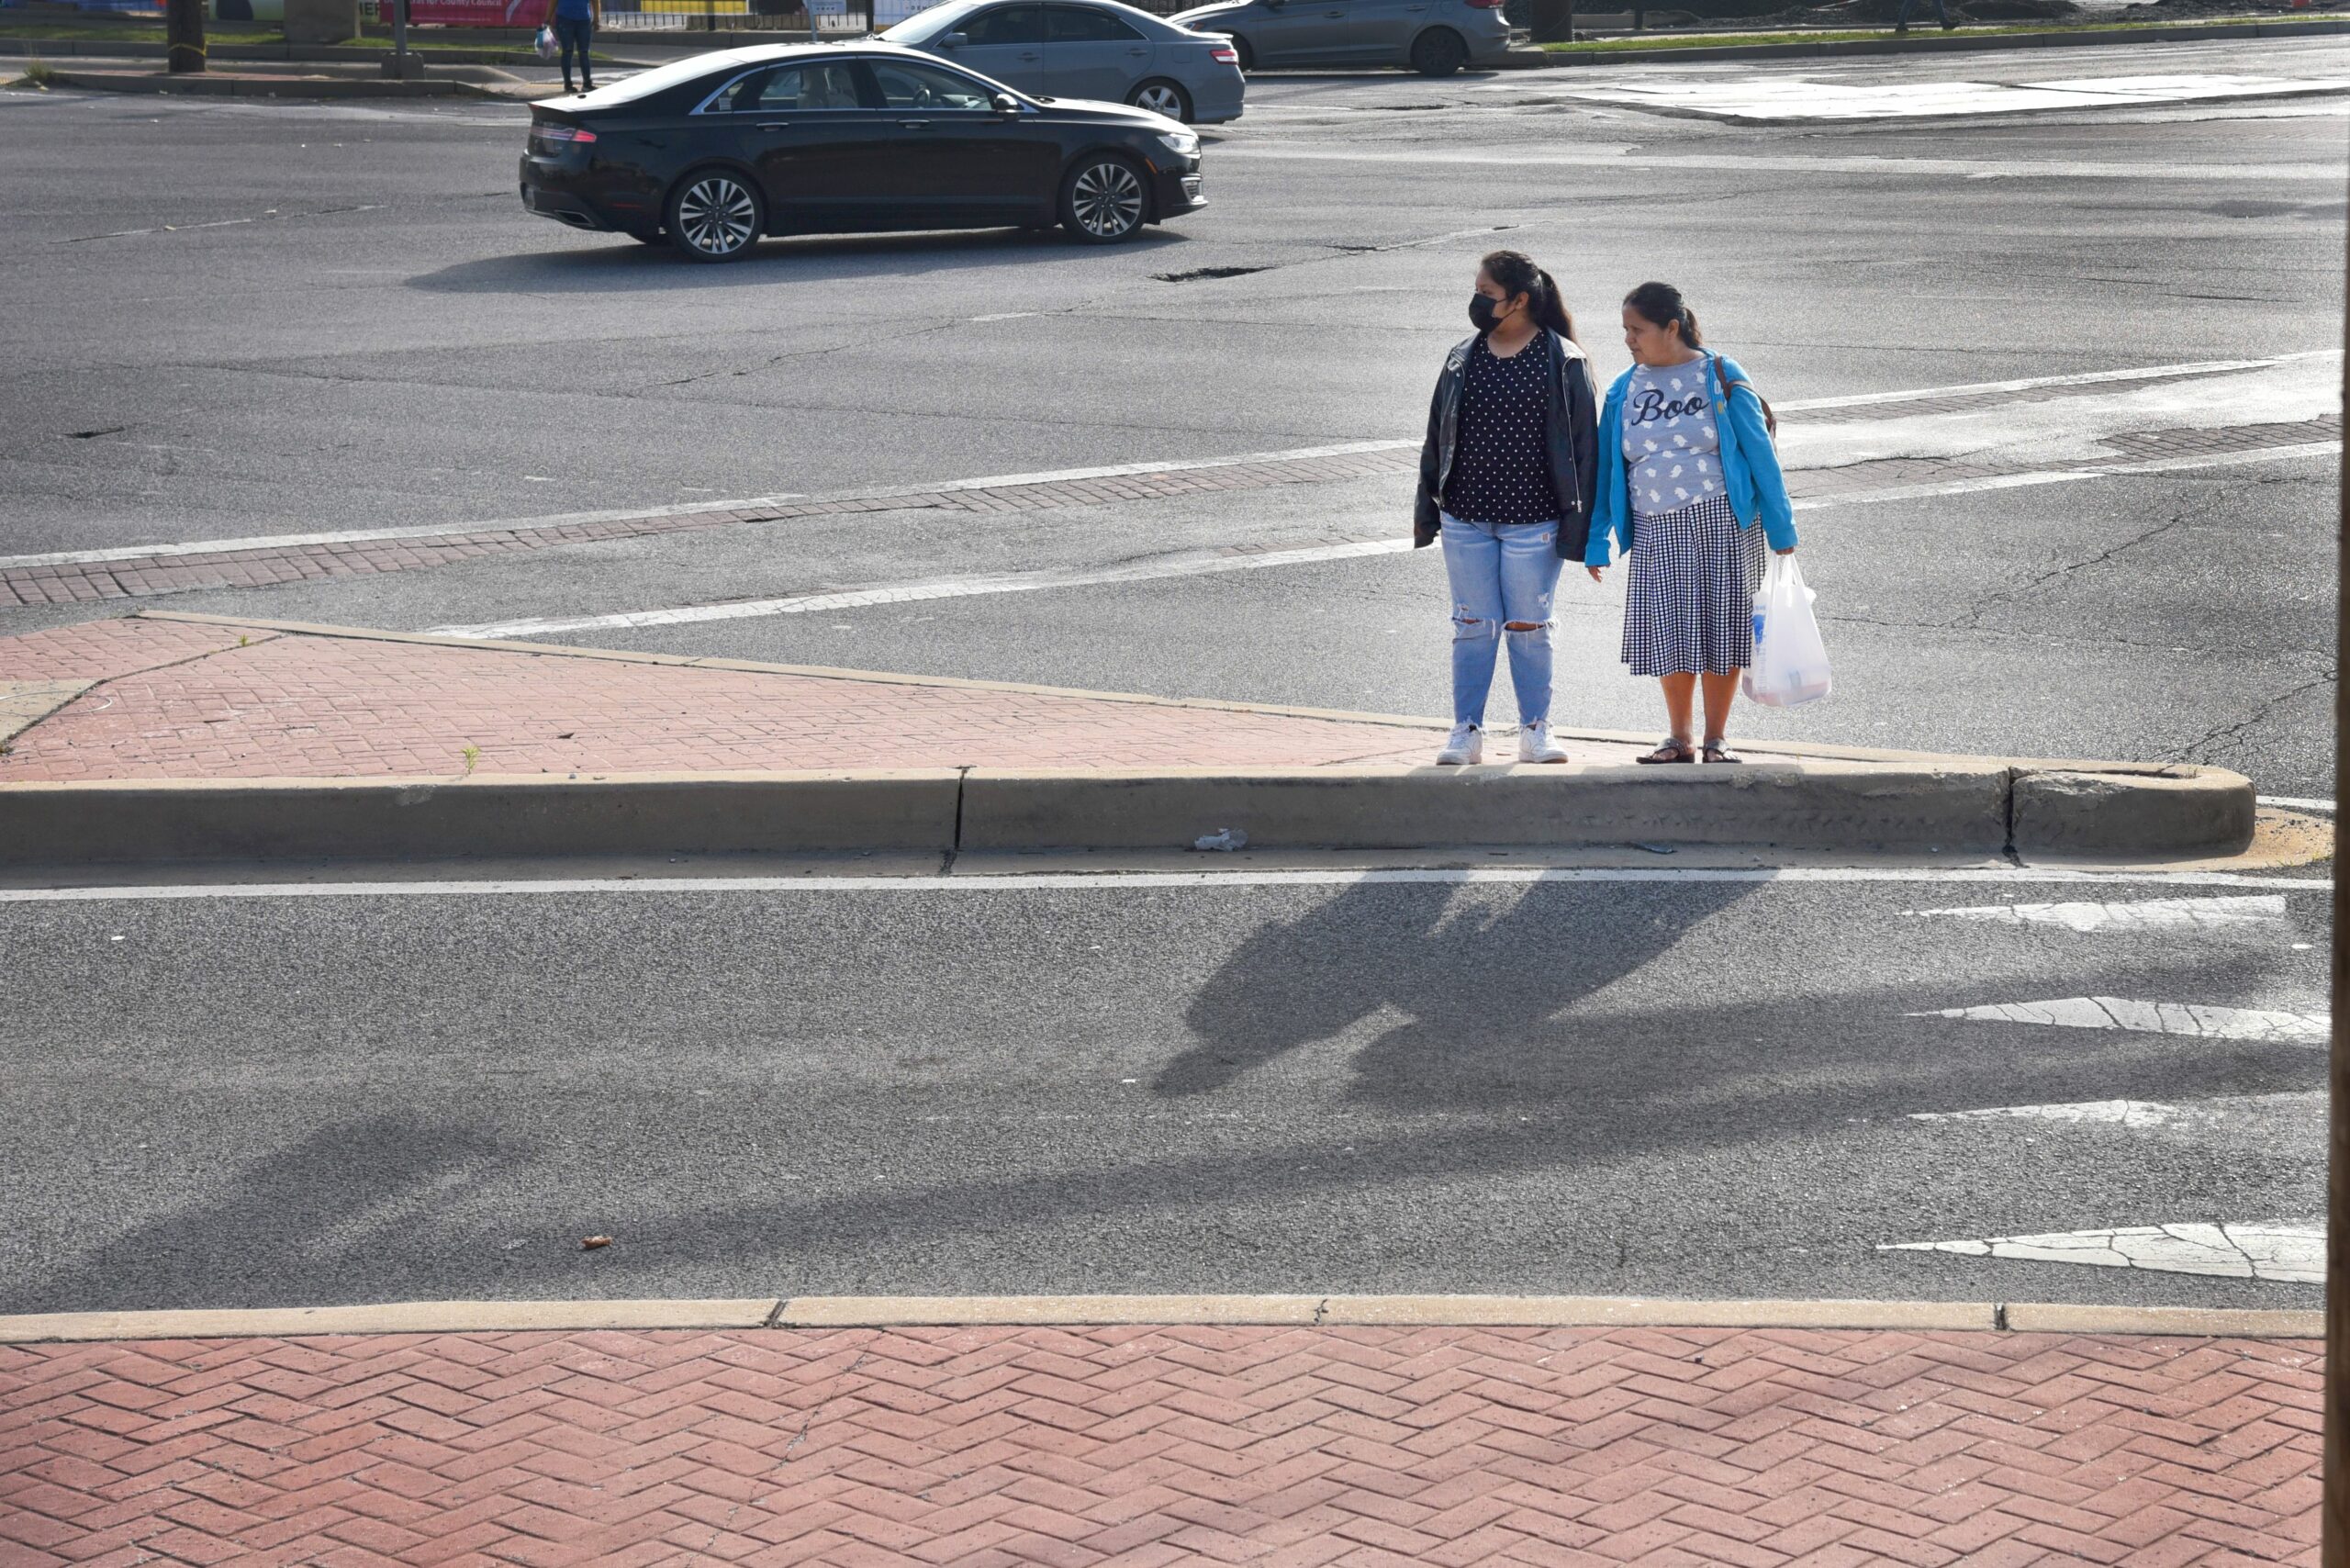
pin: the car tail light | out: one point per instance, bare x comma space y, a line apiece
1225, 54
564, 133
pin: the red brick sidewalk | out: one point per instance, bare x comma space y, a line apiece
182, 699
1162, 1445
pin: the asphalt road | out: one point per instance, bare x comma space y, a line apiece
238, 320
244, 321
1691, 1087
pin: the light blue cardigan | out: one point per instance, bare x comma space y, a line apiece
1758, 491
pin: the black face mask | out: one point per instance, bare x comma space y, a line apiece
1483, 311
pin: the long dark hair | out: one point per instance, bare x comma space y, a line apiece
1660, 305
1516, 272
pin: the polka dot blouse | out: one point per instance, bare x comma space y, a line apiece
1501, 464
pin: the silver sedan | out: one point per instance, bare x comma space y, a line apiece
1085, 48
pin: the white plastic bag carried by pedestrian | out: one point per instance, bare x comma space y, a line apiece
1790, 666
548, 48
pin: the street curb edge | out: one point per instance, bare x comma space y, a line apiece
1303, 1311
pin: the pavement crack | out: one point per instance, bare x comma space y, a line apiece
1974, 617
817, 1410
2234, 734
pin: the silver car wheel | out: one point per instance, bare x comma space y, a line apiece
717, 216
1160, 98
1108, 200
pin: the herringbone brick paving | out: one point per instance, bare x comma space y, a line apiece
1146, 1446
182, 700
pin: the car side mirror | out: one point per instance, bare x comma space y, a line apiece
1005, 104
954, 41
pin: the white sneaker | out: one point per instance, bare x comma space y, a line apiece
1465, 746
1535, 745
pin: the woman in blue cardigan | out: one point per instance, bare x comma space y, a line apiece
1690, 487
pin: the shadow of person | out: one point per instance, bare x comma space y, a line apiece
1479, 971
314, 1210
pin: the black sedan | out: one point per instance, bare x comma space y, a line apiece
820, 139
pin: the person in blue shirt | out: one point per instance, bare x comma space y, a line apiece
1690, 489
574, 29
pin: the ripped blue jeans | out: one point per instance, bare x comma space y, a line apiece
1502, 574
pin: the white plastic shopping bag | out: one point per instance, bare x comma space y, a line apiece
1790, 666
548, 48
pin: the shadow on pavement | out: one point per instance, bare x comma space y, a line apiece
1480, 990
623, 265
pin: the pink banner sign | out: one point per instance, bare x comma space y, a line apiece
480, 13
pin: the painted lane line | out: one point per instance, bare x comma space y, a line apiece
2077, 378
1789, 99
1127, 882
1738, 163
2135, 1114
1069, 475
2152, 1018
1192, 564
1185, 565
2286, 1251
2297, 802
2249, 909
567, 519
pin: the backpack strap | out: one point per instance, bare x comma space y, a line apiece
1770, 417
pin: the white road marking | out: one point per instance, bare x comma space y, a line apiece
1798, 98
428, 530
2078, 378
2247, 908
2290, 1249
2136, 1113
1181, 566
2154, 1018
1124, 881
1625, 157
1192, 565
1120, 470
2297, 802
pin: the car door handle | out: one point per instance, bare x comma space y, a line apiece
914, 124
1032, 54
775, 125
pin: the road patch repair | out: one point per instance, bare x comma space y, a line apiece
1149, 1430
210, 738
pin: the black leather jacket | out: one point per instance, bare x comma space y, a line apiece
1572, 430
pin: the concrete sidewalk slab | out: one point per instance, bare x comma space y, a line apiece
210, 738
1153, 1444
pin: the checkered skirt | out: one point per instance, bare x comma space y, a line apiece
1690, 606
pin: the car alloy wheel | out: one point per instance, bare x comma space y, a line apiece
1104, 200
715, 218
1439, 52
1162, 98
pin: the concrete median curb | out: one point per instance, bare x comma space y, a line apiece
1301, 1311
1979, 808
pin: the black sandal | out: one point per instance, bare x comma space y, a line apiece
1716, 751
1673, 750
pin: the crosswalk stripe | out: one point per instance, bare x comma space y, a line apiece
2136, 1113
2153, 1017
2289, 1249
2250, 909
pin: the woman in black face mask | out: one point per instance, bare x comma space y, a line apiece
1507, 481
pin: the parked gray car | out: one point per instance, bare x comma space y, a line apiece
1435, 38
1085, 48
